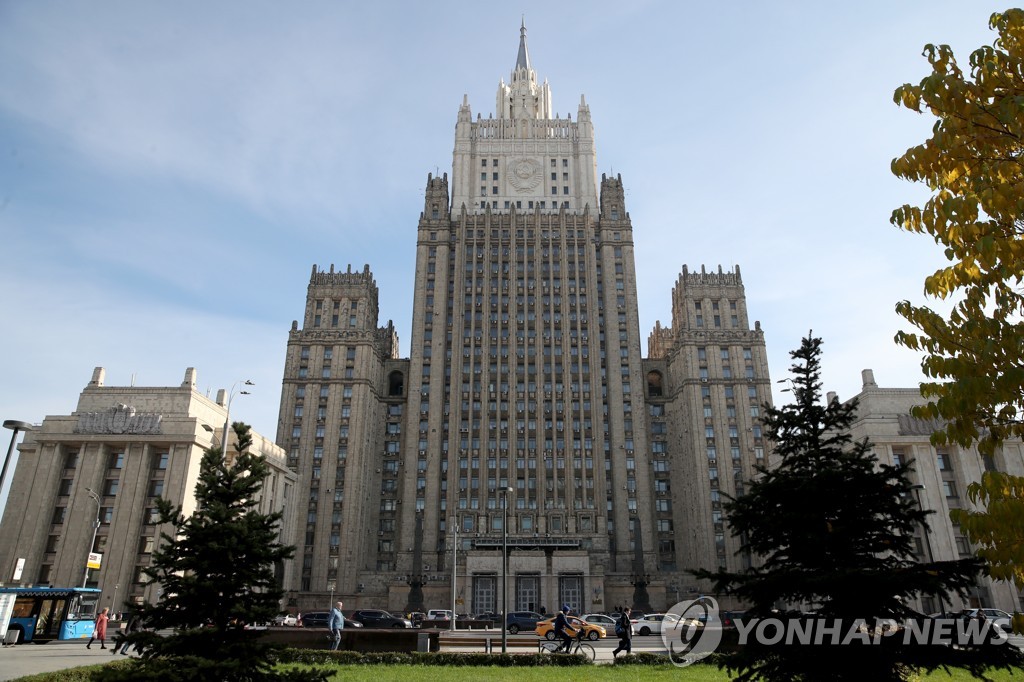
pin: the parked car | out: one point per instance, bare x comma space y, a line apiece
652, 623
605, 621
286, 619
633, 615
546, 628
318, 619
488, 615
522, 620
997, 616
439, 614
729, 618
375, 618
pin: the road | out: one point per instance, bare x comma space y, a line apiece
31, 659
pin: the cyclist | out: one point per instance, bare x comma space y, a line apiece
562, 628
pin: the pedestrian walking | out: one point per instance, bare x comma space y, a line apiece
100, 629
336, 623
123, 645
624, 631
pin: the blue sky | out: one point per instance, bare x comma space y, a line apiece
170, 172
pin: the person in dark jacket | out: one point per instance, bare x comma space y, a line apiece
624, 630
562, 628
134, 625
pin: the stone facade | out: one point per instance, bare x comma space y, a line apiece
883, 417
128, 445
525, 373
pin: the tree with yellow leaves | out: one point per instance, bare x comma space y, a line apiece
974, 356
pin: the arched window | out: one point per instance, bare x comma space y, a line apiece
654, 384
396, 384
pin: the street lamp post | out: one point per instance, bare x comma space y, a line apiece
15, 426
227, 411
95, 529
504, 568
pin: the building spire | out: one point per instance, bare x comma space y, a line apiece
523, 58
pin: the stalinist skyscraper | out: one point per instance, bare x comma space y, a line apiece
526, 412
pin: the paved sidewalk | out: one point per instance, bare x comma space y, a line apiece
31, 659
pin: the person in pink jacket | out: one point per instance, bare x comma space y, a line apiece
100, 631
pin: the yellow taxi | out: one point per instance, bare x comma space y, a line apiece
546, 628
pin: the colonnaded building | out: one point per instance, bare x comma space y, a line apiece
940, 477
85, 487
526, 413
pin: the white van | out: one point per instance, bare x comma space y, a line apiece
439, 614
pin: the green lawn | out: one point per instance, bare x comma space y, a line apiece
599, 673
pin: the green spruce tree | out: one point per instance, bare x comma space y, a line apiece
832, 529
216, 573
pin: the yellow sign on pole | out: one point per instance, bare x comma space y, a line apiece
95, 559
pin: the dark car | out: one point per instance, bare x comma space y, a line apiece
318, 619
729, 618
375, 618
522, 620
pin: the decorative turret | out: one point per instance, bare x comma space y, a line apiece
613, 198
435, 203
523, 98
524, 157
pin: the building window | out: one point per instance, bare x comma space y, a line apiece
962, 546
138, 576
110, 487
156, 488
944, 461
117, 460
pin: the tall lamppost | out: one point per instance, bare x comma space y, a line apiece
227, 411
505, 492
15, 426
95, 528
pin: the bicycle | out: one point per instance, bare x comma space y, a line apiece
578, 646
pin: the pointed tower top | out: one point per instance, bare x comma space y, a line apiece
523, 58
